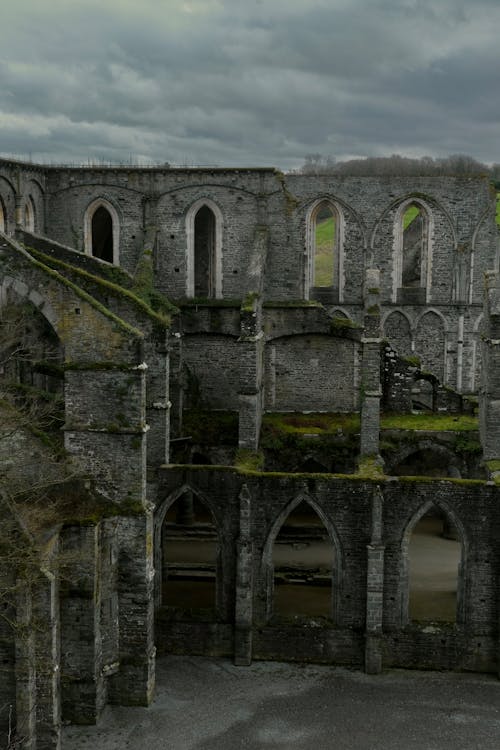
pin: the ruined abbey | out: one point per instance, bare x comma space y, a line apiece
267, 383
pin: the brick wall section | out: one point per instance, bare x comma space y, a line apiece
294, 363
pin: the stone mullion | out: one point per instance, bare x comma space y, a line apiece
244, 585
47, 629
375, 589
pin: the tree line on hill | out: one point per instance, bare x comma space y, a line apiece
452, 165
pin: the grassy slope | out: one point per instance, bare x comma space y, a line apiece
323, 260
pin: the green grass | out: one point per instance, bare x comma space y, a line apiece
410, 214
434, 422
324, 252
315, 423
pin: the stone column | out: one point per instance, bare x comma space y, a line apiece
157, 401
176, 382
375, 589
489, 393
46, 626
251, 357
244, 585
371, 391
18, 212
133, 684
82, 684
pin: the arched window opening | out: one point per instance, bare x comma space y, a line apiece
303, 560
397, 332
413, 240
435, 569
324, 246
3, 220
29, 215
412, 255
324, 232
204, 253
189, 559
102, 234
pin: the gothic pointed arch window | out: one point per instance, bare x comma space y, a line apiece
324, 240
412, 252
433, 568
303, 566
29, 215
101, 231
189, 559
204, 226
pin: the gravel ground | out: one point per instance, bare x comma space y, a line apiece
209, 704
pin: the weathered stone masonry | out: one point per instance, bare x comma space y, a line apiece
248, 332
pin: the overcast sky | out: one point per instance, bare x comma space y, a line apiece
248, 82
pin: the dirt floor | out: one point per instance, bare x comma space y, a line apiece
209, 704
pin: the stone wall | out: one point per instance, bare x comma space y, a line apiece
347, 509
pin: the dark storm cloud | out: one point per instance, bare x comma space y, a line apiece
247, 81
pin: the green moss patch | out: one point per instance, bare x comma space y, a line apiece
315, 422
429, 422
249, 460
140, 297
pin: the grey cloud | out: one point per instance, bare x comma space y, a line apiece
248, 82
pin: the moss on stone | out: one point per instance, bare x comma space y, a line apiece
249, 460
371, 467
429, 422
338, 323
248, 304
138, 296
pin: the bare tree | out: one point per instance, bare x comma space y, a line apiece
33, 469
396, 164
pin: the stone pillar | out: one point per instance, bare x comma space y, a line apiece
375, 589
157, 402
371, 390
82, 684
251, 357
244, 585
176, 382
46, 625
105, 427
489, 393
18, 212
133, 684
